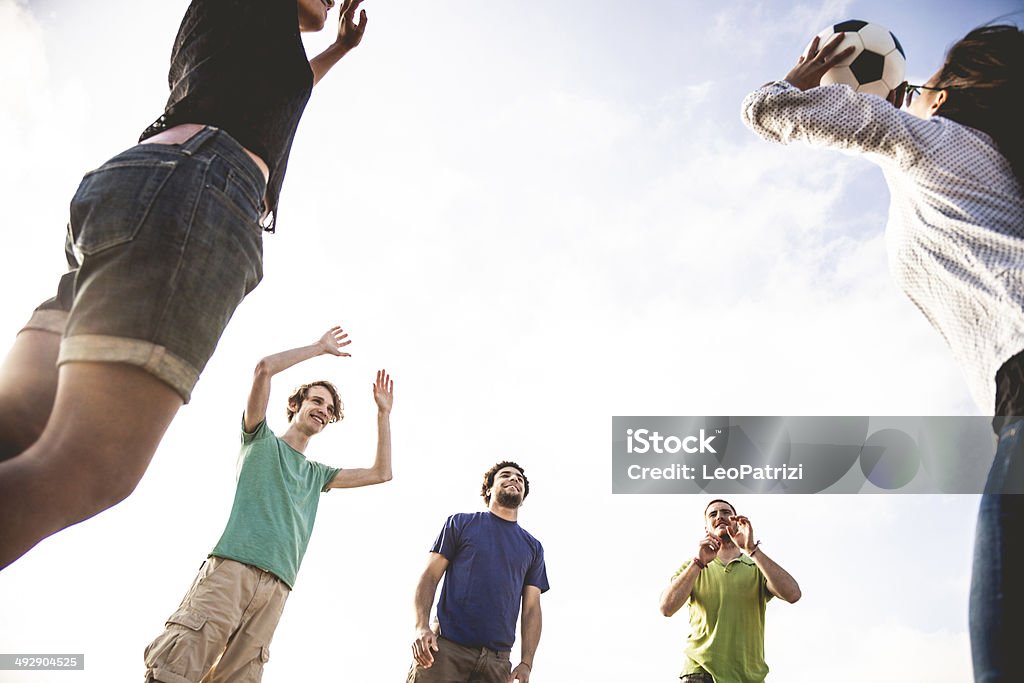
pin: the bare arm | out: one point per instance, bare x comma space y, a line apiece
332, 341
781, 584
531, 627
349, 36
425, 644
678, 591
383, 394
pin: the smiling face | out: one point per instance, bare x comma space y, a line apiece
316, 410
313, 14
509, 488
717, 518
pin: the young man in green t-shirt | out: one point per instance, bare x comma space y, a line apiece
726, 592
229, 615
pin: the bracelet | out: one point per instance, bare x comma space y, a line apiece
700, 564
754, 549
527, 665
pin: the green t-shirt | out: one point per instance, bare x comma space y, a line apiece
275, 505
726, 608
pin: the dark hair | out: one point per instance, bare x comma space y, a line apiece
982, 77
485, 489
719, 500
300, 394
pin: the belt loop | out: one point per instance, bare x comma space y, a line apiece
196, 141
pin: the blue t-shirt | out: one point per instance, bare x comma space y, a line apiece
490, 563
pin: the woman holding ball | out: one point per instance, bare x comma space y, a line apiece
954, 163
164, 242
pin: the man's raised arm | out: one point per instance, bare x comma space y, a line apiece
383, 395
780, 582
332, 342
679, 589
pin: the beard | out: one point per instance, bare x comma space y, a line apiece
509, 499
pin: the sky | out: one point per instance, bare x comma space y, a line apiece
535, 218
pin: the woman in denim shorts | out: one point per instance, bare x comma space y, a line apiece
164, 241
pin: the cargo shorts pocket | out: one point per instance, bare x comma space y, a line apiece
256, 666
113, 202
175, 650
188, 618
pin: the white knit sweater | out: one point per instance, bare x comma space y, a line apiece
955, 235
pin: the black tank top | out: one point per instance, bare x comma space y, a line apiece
1009, 391
240, 65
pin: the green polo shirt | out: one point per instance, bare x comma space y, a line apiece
726, 608
275, 505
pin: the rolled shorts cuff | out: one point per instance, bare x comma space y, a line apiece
47, 320
154, 359
165, 676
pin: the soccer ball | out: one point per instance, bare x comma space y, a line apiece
878, 64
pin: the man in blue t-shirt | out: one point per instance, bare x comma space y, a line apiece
490, 565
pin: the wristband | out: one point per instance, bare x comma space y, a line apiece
754, 549
700, 564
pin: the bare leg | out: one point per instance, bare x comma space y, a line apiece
107, 421
28, 383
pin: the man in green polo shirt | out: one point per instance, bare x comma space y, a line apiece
726, 588
223, 627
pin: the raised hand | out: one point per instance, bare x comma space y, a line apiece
708, 548
333, 341
742, 533
813, 64
349, 32
383, 391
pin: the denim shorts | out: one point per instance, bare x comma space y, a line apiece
163, 244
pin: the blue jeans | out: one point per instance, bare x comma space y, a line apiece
997, 595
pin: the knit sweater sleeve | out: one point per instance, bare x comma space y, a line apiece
837, 117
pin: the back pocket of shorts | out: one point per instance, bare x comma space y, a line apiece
238, 196
113, 201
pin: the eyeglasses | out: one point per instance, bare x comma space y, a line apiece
912, 90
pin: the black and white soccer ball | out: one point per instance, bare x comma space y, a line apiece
878, 64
